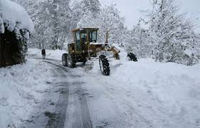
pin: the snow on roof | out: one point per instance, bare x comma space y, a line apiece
14, 16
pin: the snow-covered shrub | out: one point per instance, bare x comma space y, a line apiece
15, 28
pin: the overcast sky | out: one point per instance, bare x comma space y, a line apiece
130, 9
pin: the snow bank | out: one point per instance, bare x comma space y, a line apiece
14, 16
149, 93
22, 88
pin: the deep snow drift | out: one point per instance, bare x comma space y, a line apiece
139, 94
148, 94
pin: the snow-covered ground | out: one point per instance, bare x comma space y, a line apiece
21, 89
147, 94
143, 94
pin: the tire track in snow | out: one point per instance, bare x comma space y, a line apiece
50, 113
81, 106
87, 123
58, 120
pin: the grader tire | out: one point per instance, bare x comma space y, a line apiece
104, 65
70, 61
64, 59
67, 60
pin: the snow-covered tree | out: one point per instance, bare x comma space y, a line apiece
52, 21
108, 20
172, 32
139, 42
81, 9
58, 18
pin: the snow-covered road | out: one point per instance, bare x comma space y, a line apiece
51, 111
65, 103
145, 94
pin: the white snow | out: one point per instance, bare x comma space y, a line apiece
72, 3
15, 15
50, 54
143, 94
146, 94
22, 88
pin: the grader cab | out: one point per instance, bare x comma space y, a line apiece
85, 46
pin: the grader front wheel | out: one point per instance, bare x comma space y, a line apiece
64, 59
104, 65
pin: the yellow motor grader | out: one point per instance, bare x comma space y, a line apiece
85, 46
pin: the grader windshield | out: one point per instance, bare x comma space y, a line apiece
90, 34
84, 36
